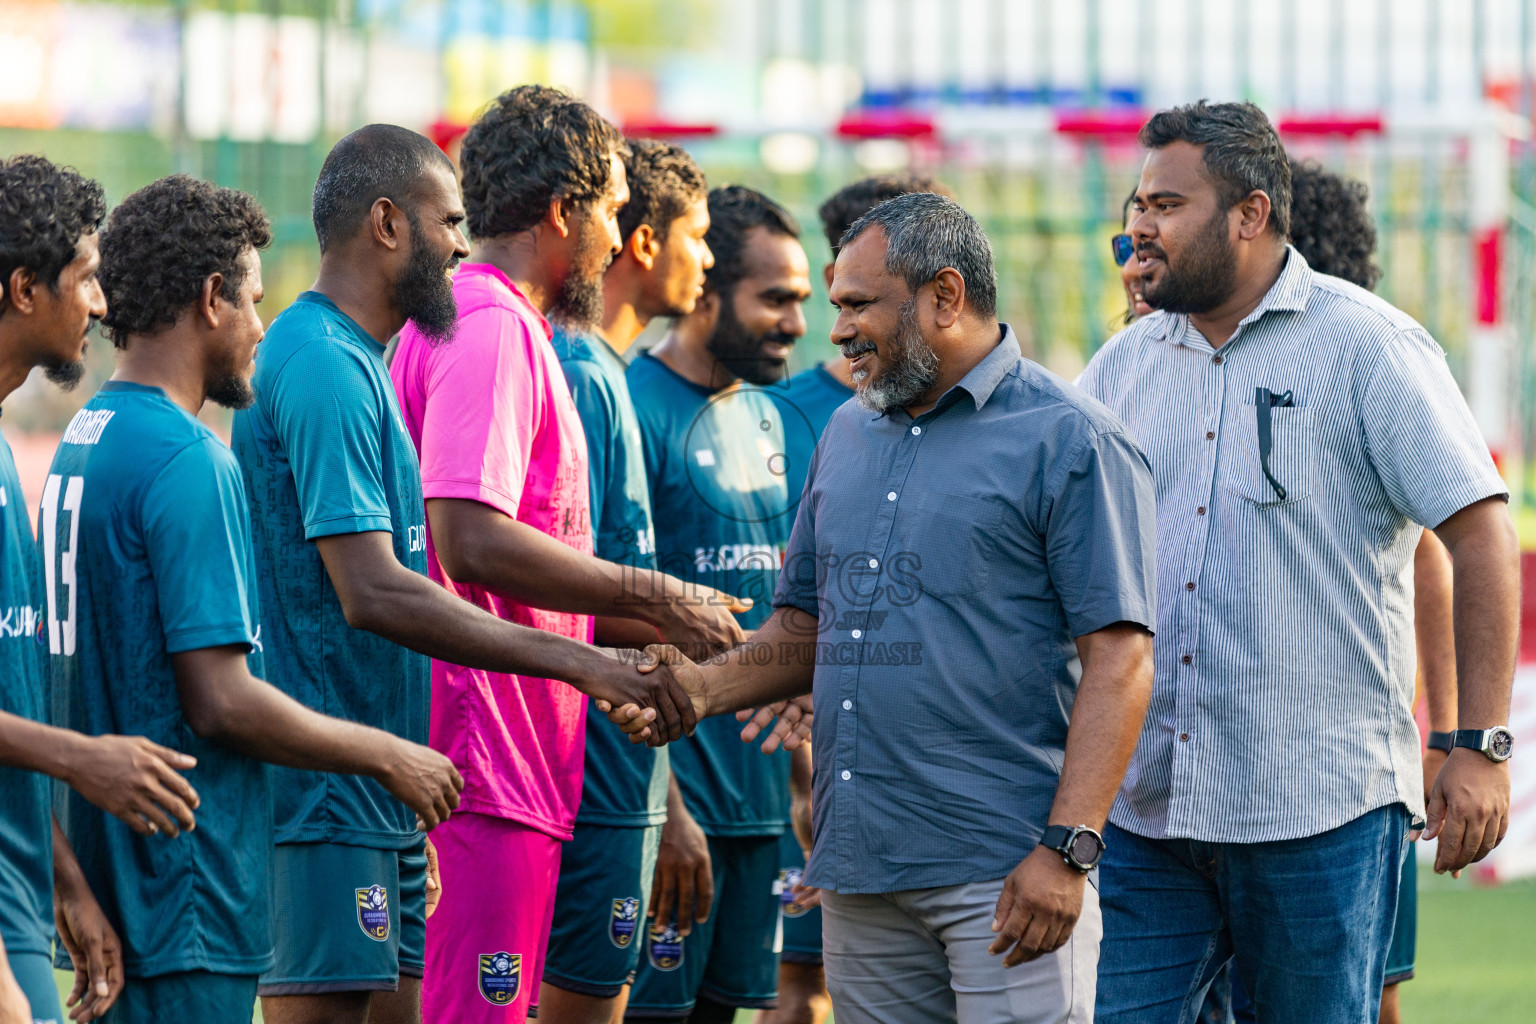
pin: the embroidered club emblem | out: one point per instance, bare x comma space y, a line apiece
666, 950
373, 912
784, 888
501, 975
623, 920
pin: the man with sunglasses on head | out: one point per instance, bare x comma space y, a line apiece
1301, 432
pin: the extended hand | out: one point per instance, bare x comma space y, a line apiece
637, 721
434, 879
684, 886
1468, 809
792, 728
93, 948
625, 692
702, 622
1038, 908
136, 781
423, 780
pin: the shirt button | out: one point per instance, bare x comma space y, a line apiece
1189, 586
1200, 511
857, 633
1183, 738
1217, 360
847, 775
1210, 435
891, 496
916, 430
847, 705
1186, 659
874, 563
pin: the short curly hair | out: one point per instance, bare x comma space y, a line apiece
162, 243
733, 211
663, 181
44, 209
853, 201
532, 145
1330, 226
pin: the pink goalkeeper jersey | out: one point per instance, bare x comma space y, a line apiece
494, 422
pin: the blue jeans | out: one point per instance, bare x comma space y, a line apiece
1310, 920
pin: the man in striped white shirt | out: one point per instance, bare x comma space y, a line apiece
1299, 430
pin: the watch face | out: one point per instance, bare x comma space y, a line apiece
1501, 744
1086, 848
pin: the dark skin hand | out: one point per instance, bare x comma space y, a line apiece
87, 936
1469, 804
222, 701
380, 595
132, 779
684, 886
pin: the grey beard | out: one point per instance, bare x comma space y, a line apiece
911, 373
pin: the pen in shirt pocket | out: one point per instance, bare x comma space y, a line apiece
1263, 401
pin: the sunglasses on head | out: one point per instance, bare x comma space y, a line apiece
1123, 248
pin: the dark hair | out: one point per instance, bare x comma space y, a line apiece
1242, 152
663, 181
853, 201
1125, 210
925, 233
163, 242
733, 211
44, 209
1329, 225
532, 145
376, 161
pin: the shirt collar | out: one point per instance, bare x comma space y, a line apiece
1288, 294
982, 379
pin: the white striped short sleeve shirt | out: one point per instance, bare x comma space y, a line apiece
1284, 655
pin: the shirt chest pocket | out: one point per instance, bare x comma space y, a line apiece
1279, 473
953, 537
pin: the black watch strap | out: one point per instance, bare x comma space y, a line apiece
1063, 839
1441, 741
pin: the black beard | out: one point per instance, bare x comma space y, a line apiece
66, 374
232, 392
741, 352
579, 305
914, 367
1204, 277
424, 294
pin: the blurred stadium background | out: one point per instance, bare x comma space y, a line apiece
1028, 108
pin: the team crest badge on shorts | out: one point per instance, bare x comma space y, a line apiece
666, 950
784, 889
501, 975
373, 912
623, 920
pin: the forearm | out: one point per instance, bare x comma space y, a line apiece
1434, 630
67, 876
37, 747
777, 663
626, 633
1107, 716
1485, 557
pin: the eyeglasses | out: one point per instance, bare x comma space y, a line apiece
1123, 248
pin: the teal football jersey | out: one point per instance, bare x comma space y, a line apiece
324, 452
806, 402
26, 834
624, 784
146, 553
722, 510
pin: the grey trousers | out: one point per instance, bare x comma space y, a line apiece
920, 956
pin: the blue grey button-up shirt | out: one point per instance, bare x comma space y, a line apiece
1284, 657
951, 559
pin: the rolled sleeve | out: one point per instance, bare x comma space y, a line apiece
1101, 535
1420, 435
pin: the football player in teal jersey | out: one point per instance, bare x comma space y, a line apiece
606, 870
49, 299
350, 618
715, 445
151, 612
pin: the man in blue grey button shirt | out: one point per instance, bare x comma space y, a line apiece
969, 584
1302, 432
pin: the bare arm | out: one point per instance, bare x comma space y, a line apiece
1043, 896
1469, 804
13, 1001
382, 596
1434, 631
222, 701
86, 934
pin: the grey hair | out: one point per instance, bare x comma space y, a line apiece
925, 233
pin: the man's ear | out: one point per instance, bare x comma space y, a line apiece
208, 302
643, 246
389, 223
559, 216
20, 291
1253, 215
948, 297
827, 275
